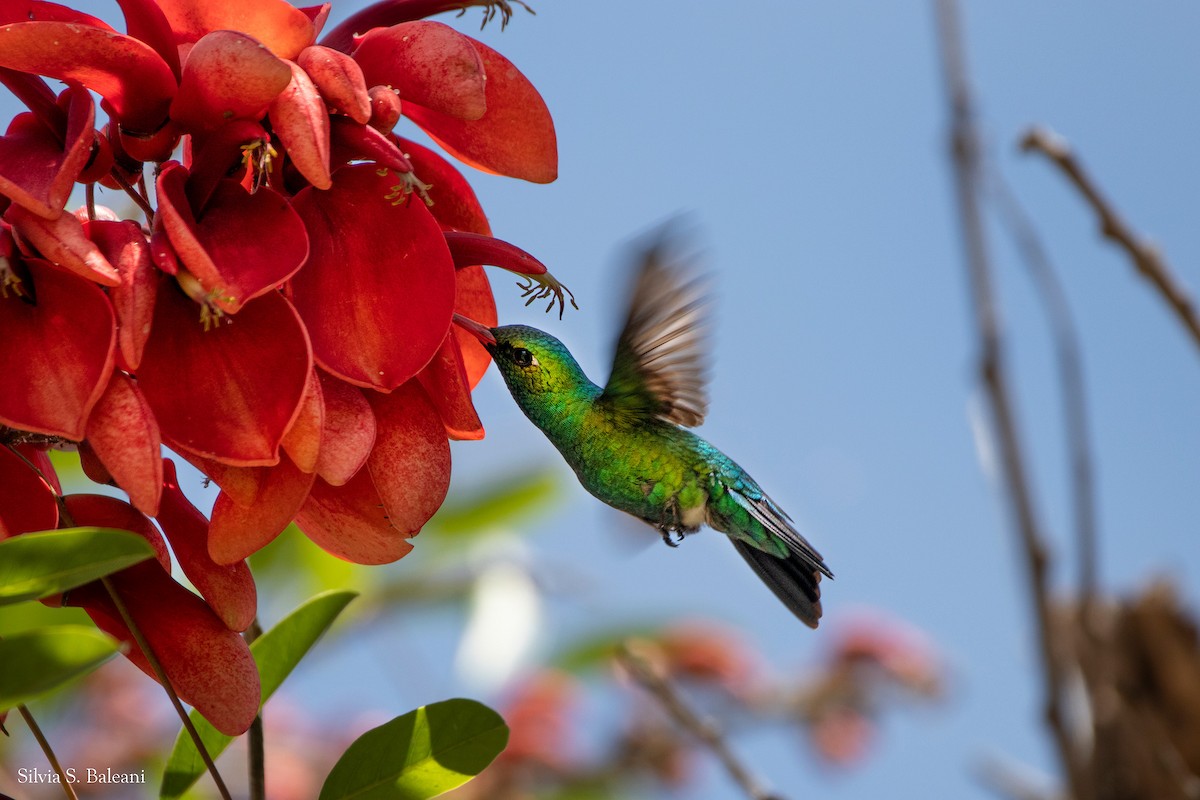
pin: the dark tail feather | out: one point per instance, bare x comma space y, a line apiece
791, 579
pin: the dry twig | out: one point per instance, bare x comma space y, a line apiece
1145, 256
967, 163
687, 718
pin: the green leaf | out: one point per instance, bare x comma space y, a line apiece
35, 565
597, 649
420, 754
277, 652
505, 503
39, 661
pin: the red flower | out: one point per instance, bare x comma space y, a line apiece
282, 315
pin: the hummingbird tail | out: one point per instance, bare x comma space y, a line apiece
792, 579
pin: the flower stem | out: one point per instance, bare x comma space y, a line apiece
156, 665
49, 751
256, 742
135, 195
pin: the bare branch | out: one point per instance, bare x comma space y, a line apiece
687, 718
44, 743
967, 164
1070, 372
1146, 257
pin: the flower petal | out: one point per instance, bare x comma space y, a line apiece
124, 436
386, 108
300, 119
349, 431
229, 393
238, 530
410, 463
350, 522
445, 383
57, 353
37, 170
27, 502
302, 442
455, 205
473, 299
377, 292
227, 75
339, 79
109, 512
243, 245
124, 246
227, 587
515, 137
279, 26
352, 141
429, 64
209, 665
134, 80
144, 20
63, 242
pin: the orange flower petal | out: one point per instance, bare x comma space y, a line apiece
238, 530
339, 79
133, 79
36, 170
27, 502
410, 463
63, 242
516, 135
455, 205
243, 245
124, 246
377, 292
301, 121
227, 588
227, 75
124, 436
445, 382
350, 522
229, 393
348, 433
278, 25
209, 665
110, 512
57, 354
429, 64
302, 442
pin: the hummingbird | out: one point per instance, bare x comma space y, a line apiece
628, 441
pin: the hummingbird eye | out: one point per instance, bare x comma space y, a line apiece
523, 358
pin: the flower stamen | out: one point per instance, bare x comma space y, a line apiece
539, 287
257, 157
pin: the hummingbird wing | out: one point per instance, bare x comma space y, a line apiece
660, 365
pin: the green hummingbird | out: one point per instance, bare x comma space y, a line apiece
628, 441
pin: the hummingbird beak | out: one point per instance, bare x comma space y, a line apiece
480, 332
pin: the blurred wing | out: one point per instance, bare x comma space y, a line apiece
660, 365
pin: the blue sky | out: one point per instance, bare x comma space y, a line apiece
806, 141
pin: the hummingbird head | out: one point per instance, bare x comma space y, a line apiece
535, 365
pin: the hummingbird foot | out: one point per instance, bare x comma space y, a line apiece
666, 537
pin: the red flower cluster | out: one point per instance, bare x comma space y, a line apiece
282, 318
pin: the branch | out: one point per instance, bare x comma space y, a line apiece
156, 665
255, 741
687, 718
1070, 371
967, 164
44, 743
1145, 256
